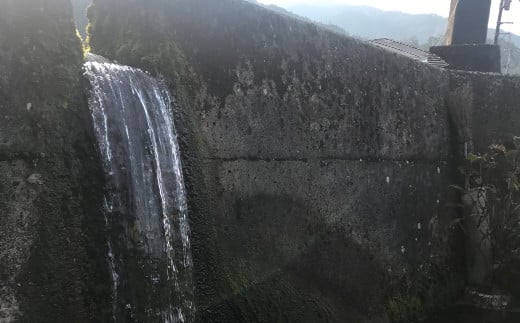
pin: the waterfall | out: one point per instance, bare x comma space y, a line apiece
148, 246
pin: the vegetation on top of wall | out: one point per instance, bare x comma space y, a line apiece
143, 41
80, 15
47, 55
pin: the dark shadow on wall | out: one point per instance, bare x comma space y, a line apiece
283, 264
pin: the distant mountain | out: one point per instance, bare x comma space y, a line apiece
422, 31
371, 23
368, 23
515, 39
280, 10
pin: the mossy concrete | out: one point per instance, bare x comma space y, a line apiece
52, 268
317, 165
492, 104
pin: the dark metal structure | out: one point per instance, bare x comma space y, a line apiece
466, 47
468, 22
504, 5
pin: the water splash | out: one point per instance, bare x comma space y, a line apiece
148, 245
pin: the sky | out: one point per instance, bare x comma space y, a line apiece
439, 7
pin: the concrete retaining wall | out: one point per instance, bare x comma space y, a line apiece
325, 160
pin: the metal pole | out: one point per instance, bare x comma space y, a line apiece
499, 22
509, 54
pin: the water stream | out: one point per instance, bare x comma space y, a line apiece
148, 246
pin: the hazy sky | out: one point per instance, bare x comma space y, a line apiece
439, 7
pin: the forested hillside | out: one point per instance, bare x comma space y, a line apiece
421, 31
329, 26
371, 23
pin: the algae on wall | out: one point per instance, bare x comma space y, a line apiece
51, 268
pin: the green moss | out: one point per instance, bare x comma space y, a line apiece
434, 287
266, 294
84, 44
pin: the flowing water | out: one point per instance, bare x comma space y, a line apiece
148, 246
